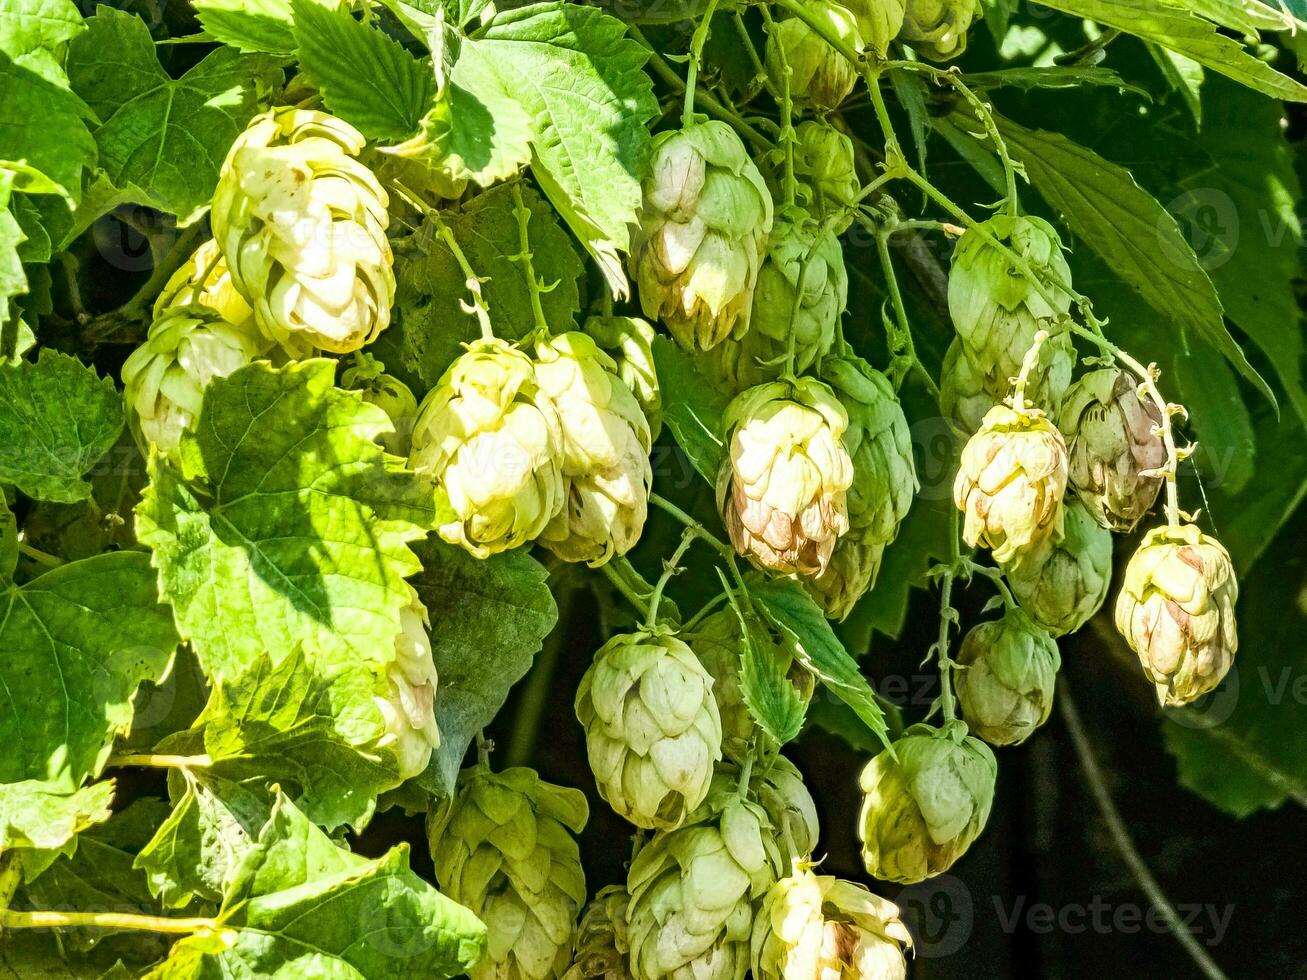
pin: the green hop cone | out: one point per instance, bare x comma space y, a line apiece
783, 795
302, 225
921, 811
1011, 482
996, 309
702, 234
967, 392
605, 451
783, 483
1062, 581
205, 280
850, 574
818, 927
823, 164
1176, 610
504, 847
1115, 446
879, 22
652, 729
938, 29
818, 74
601, 943
628, 340
1005, 687
491, 442
408, 701
368, 376
693, 890
186, 348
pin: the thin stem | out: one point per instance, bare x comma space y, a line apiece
995, 576
759, 69
39, 556
531, 709
1121, 836
907, 348
105, 325
10, 919
947, 616
484, 748
149, 761
697, 527
696, 59
623, 586
523, 214
789, 185
706, 610
670, 568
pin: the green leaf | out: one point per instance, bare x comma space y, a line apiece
692, 408
57, 418
790, 609
483, 127
34, 31
42, 819
365, 77
1226, 444
1052, 77
488, 619
1135, 236
1183, 31
581, 79
287, 526
44, 137
1185, 76
13, 280
77, 642
249, 25
8, 540
773, 702
163, 139
432, 325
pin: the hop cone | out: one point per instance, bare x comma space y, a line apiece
967, 392
879, 22
783, 795
605, 457
205, 280
1176, 610
628, 341
1011, 482
1116, 451
819, 75
504, 848
817, 927
702, 233
408, 703
368, 377
823, 164
1006, 684
693, 890
491, 442
921, 812
938, 29
782, 486
187, 347
652, 729
601, 942
996, 309
302, 225
1062, 582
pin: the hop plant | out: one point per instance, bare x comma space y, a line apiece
492, 443
702, 234
781, 792
1005, 687
923, 806
693, 890
818, 74
408, 704
652, 728
628, 340
205, 280
1115, 447
186, 348
302, 225
605, 451
1176, 610
504, 848
824, 166
1062, 581
997, 309
368, 376
1011, 482
601, 942
782, 486
938, 28
967, 391
802, 287
879, 22
818, 927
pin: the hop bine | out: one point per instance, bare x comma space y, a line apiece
408, 704
818, 74
503, 846
652, 728
605, 451
492, 443
186, 348
702, 234
924, 806
1176, 610
1005, 686
1116, 450
818, 927
302, 225
782, 486
1062, 581
1011, 482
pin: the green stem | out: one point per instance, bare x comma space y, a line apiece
39, 556
523, 214
105, 325
662, 503
908, 346
947, 616
760, 70
789, 184
995, 576
670, 568
521, 743
624, 587
150, 761
478, 306
696, 59
9, 919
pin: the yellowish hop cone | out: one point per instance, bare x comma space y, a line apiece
205, 280
1176, 610
602, 944
1011, 482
